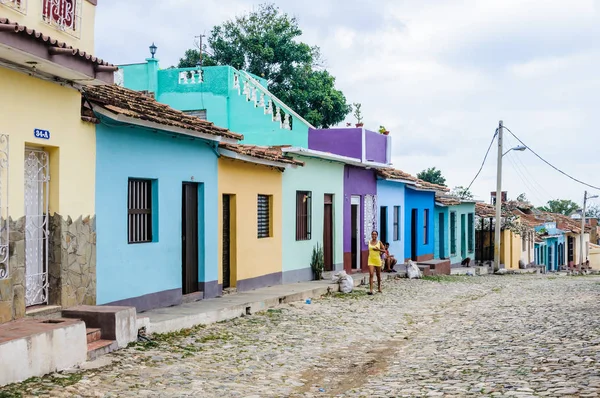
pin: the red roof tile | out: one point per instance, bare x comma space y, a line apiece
395, 174
134, 104
273, 154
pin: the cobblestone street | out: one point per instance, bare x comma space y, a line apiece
459, 336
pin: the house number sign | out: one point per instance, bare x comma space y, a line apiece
43, 134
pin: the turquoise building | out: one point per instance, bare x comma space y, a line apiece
454, 237
232, 99
156, 201
550, 249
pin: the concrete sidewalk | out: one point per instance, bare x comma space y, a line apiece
164, 320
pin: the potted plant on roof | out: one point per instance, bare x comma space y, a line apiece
383, 130
358, 114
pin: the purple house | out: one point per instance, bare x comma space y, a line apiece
369, 151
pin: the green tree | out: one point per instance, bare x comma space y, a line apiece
592, 211
560, 206
265, 42
191, 59
433, 176
461, 192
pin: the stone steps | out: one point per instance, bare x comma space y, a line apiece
100, 347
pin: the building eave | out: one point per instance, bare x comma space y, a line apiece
251, 159
332, 157
157, 126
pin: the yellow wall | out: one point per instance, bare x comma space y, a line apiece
28, 103
250, 257
32, 18
510, 249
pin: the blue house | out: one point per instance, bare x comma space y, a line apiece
419, 225
550, 249
156, 200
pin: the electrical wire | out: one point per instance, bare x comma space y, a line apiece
550, 164
529, 182
484, 159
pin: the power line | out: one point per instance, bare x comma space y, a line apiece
484, 159
549, 164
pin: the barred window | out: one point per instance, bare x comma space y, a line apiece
264, 216
470, 223
453, 232
303, 215
397, 219
426, 226
139, 211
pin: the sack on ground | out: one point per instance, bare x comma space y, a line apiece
347, 284
335, 278
412, 271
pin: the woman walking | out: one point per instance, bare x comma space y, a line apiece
374, 263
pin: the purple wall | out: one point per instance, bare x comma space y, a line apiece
345, 142
376, 146
361, 182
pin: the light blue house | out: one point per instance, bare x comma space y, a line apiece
236, 100
454, 237
550, 249
419, 223
156, 200
391, 188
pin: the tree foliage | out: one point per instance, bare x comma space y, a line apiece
265, 42
560, 206
522, 198
592, 211
462, 192
432, 175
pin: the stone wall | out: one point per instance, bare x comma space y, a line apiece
72, 261
71, 265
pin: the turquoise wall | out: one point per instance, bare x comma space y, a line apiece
390, 194
125, 270
460, 210
225, 105
437, 253
320, 177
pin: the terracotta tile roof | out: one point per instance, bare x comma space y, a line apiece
273, 154
485, 210
447, 200
134, 104
396, 174
50, 42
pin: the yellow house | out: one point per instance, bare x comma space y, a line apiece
250, 203
47, 155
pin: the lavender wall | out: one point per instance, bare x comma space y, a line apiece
361, 182
376, 146
345, 142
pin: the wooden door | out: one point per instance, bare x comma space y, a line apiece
226, 241
328, 232
354, 214
189, 235
414, 235
383, 225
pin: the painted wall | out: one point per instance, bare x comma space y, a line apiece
462, 212
254, 262
419, 200
226, 106
71, 147
357, 182
32, 18
390, 194
376, 146
319, 177
341, 141
144, 270
445, 253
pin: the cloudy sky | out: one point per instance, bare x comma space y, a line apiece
438, 74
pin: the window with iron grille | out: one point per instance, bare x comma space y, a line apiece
453, 232
425, 226
303, 215
397, 223
62, 14
139, 211
470, 224
264, 216
198, 113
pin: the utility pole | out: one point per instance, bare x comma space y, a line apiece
498, 200
200, 49
585, 198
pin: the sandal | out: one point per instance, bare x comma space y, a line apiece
370, 293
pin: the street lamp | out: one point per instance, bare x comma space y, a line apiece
497, 230
153, 49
